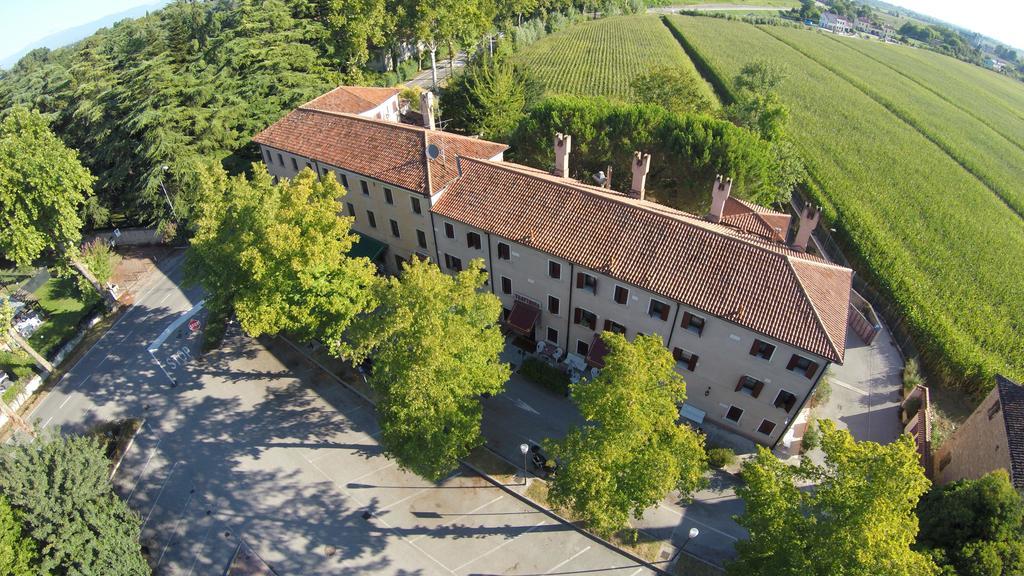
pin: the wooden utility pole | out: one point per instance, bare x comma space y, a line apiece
16, 420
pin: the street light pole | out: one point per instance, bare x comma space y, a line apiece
693, 533
525, 449
165, 168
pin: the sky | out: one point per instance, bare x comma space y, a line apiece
25, 21
999, 19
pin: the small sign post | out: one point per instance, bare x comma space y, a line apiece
193, 325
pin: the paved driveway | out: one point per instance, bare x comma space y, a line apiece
245, 445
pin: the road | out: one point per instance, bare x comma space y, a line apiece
252, 444
424, 78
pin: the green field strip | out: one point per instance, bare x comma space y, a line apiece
991, 125
926, 232
1000, 173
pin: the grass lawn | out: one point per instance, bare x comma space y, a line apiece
20, 367
65, 307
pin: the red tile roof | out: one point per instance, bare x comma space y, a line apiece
792, 297
387, 151
755, 219
351, 99
1011, 397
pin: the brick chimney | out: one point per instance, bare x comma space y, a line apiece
719, 194
563, 145
641, 166
427, 109
808, 222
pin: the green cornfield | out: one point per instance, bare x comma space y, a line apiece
917, 160
602, 57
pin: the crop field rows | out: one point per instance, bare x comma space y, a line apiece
602, 57
931, 232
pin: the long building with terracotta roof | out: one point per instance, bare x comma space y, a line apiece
753, 322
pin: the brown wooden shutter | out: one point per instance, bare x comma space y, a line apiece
693, 362
579, 279
790, 402
753, 348
757, 388
792, 362
577, 314
686, 320
739, 385
811, 369
664, 312
608, 325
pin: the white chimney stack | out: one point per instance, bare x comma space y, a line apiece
563, 145
808, 222
641, 166
719, 194
427, 109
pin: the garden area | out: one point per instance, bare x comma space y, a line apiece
64, 306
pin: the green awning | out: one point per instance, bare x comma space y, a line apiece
368, 247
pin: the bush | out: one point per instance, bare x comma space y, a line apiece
100, 259
823, 391
912, 375
812, 437
721, 457
551, 378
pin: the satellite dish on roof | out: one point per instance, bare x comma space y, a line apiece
433, 151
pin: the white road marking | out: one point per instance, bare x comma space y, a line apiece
567, 560
206, 536
105, 358
461, 516
492, 550
637, 571
143, 471
524, 406
708, 526
64, 402
50, 419
851, 388
177, 526
169, 294
158, 494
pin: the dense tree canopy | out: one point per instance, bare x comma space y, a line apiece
490, 97
687, 151
631, 452
435, 344
858, 520
18, 551
975, 526
42, 186
59, 488
277, 255
674, 87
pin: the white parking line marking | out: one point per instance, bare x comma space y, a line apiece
492, 550
174, 533
143, 471
169, 294
567, 560
64, 402
160, 493
708, 526
48, 420
385, 467
638, 570
851, 388
461, 516
105, 358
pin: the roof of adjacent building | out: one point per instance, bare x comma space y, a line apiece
795, 298
755, 219
1011, 398
351, 99
390, 152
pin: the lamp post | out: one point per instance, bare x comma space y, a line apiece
165, 168
525, 449
693, 533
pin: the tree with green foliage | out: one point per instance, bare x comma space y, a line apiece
490, 97
100, 259
632, 451
42, 186
9, 334
435, 345
452, 24
675, 88
758, 106
857, 519
277, 255
976, 526
19, 553
60, 489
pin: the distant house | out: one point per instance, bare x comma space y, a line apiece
380, 58
990, 439
835, 23
994, 64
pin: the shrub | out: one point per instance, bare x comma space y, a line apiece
823, 391
721, 457
912, 375
100, 259
551, 378
812, 438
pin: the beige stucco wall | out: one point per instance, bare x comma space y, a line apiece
401, 211
723, 347
978, 447
386, 110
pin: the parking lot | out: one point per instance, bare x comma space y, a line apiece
263, 448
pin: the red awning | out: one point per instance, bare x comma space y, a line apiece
523, 317
597, 351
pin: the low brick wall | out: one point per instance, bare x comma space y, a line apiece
128, 237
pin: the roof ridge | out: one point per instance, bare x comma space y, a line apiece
652, 207
814, 309
343, 88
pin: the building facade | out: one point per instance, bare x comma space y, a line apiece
990, 439
751, 321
